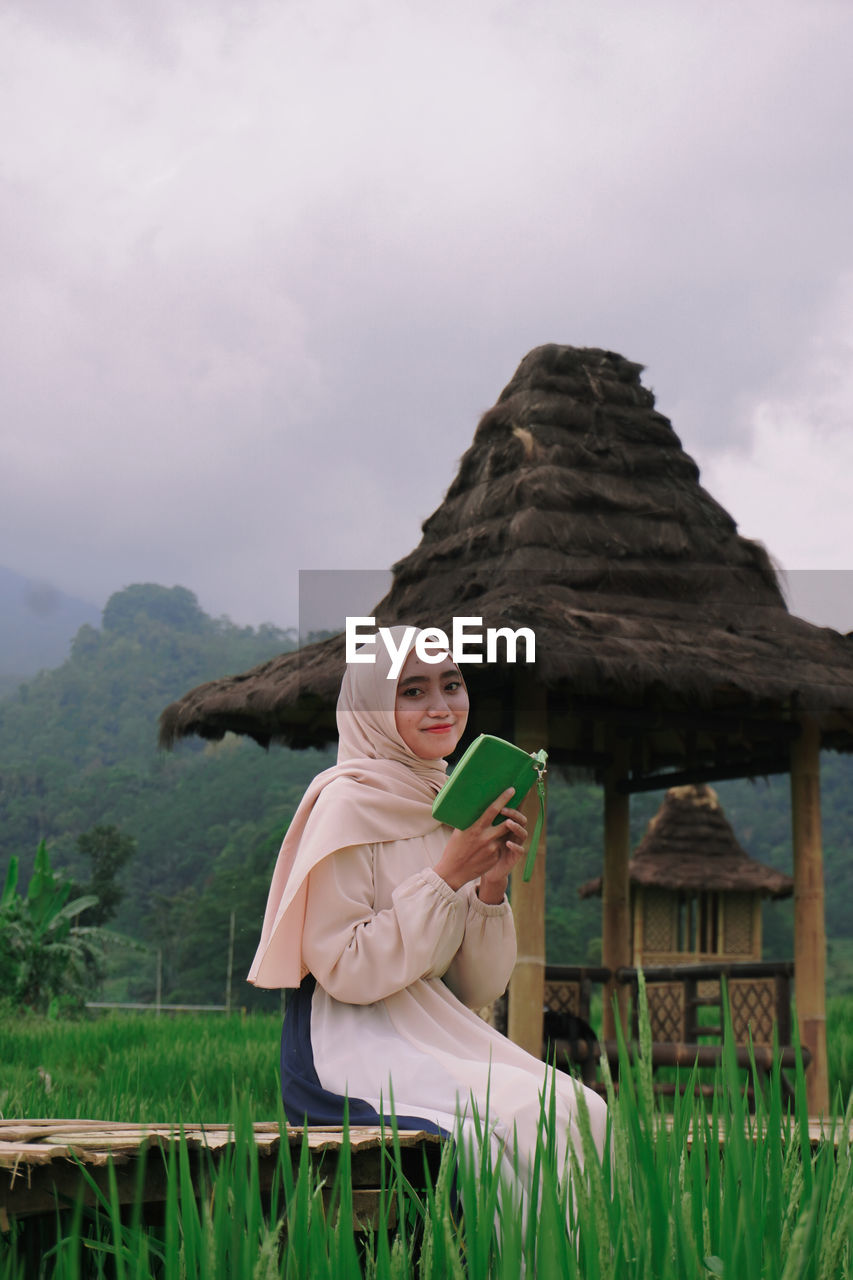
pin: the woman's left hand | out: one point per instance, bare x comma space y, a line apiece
485, 852
493, 883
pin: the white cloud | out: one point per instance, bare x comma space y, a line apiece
791, 483
265, 263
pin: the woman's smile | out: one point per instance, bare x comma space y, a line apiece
431, 702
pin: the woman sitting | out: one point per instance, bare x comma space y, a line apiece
395, 929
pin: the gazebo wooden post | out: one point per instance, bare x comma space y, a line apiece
809, 923
527, 985
615, 886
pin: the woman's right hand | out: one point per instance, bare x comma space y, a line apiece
480, 848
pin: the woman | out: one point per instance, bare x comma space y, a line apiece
395, 928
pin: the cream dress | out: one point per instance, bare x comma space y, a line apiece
401, 962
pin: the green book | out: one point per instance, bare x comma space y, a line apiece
489, 766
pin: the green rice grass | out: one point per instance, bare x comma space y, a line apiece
668, 1203
139, 1068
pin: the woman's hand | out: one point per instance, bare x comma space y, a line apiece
485, 852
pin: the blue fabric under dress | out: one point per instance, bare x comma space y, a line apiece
305, 1099
399, 963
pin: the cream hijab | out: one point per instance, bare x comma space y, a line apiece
378, 791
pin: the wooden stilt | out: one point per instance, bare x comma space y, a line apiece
527, 986
615, 887
809, 920
638, 927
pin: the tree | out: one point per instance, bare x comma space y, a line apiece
107, 850
147, 602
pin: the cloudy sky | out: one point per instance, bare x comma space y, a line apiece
264, 263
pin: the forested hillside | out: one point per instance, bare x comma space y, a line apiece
78, 750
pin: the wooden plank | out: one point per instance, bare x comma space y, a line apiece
753, 766
667, 1053
36, 1145
14, 1153
737, 723
42, 1177
709, 970
809, 920
615, 886
41, 1173
97, 1135
527, 984
820, 1130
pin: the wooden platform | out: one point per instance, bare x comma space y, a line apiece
820, 1131
40, 1159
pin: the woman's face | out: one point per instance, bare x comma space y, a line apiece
431, 707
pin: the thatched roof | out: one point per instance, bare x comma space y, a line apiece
690, 845
575, 512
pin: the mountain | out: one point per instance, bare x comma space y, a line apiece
37, 625
78, 749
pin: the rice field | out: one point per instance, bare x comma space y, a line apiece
138, 1067
671, 1202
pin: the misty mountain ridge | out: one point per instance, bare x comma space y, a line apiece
37, 624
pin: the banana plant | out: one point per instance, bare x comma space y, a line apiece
43, 954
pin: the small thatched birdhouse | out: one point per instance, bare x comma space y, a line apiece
695, 892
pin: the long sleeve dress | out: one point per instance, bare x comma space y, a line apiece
399, 961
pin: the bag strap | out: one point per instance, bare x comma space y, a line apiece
539, 763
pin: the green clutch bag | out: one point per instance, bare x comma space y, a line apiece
489, 766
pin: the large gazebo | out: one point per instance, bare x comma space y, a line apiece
665, 650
